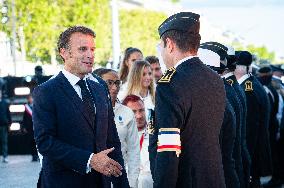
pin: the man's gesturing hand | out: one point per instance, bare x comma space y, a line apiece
105, 165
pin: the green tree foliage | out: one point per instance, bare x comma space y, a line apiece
43, 20
138, 28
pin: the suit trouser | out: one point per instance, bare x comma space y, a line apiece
4, 140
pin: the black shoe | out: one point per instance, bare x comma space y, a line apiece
274, 182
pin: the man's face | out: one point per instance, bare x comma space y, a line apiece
30, 100
156, 69
79, 56
139, 112
164, 53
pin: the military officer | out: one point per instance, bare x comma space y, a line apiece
257, 120
232, 80
214, 55
188, 151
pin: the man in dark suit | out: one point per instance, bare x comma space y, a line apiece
190, 104
5, 121
27, 124
73, 122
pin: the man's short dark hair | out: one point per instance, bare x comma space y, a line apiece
152, 59
185, 41
64, 38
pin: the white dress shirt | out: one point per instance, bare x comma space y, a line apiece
243, 78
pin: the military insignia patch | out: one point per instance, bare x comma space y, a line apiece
230, 81
169, 140
151, 128
248, 85
166, 78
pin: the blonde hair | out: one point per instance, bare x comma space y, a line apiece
135, 78
123, 73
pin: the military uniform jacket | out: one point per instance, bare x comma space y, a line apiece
189, 111
258, 111
246, 161
236, 105
227, 141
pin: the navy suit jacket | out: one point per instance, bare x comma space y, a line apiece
66, 136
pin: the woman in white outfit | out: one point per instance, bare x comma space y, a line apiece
130, 55
126, 127
141, 83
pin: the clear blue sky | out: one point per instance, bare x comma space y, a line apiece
260, 22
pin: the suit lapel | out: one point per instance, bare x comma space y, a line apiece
69, 91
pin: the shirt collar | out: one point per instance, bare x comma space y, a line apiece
276, 78
183, 60
243, 78
227, 75
71, 77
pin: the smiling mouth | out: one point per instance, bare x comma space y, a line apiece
88, 63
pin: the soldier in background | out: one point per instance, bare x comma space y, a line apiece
28, 127
257, 121
232, 80
277, 148
214, 54
264, 75
5, 122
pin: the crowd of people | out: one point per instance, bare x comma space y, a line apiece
211, 120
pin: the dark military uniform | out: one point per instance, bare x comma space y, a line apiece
232, 172
227, 141
246, 161
190, 104
236, 105
258, 110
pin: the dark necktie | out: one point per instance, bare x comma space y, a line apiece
87, 98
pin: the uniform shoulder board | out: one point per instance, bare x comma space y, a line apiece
248, 86
230, 81
166, 78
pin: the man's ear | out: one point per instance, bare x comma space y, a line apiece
169, 45
63, 53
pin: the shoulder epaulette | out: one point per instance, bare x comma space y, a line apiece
230, 81
166, 78
248, 86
